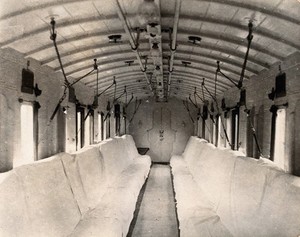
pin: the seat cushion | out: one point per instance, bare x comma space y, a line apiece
113, 156
50, 204
94, 179
14, 220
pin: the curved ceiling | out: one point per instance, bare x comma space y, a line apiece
83, 28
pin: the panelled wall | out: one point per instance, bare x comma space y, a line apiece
54, 137
259, 104
164, 128
150, 130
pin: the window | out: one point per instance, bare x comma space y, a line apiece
250, 133
28, 153
122, 126
235, 129
203, 129
117, 119
100, 128
104, 129
89, 128
228, 128
220, 139
87, 134
279, 138
79, 127
198, 127
61, 129
217, 131
92, 127
112, 125
212, 129
108, 126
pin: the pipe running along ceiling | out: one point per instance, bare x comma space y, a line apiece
164, 51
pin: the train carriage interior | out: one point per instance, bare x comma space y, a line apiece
145, 118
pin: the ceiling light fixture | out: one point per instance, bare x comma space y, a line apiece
185, 63
129, 62
114, 38
148, 13
194, 39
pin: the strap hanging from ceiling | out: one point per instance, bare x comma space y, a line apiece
186, 105
113, 83
194, 103
239, 85
67, 84
124, 93
216, 79
92, 107
53, 38
196, 94
249, 40
115, 92
137, 105
218, 109
247, 111
127, 104
206, 102
195, 97
224, 75
126, 97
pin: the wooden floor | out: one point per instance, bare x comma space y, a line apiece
156, 214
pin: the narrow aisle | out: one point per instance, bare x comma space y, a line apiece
157, 215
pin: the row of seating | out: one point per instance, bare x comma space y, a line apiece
220, 192
92, 192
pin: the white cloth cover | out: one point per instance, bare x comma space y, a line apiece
14, 220
88, 193
244, 196
90, 165
50, 204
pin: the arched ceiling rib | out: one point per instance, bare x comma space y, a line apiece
190, 69
192, 77
214, 21
128, 55
242, 5
207, 34
206, 46
180, 59
83, 28
191, 83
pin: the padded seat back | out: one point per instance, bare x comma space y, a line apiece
194, 150
85, 171
50, 204
130, 146
189, 150
113, 156
92, 173
14, 220
125, 145
250, 196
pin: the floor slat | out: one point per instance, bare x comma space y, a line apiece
157, 214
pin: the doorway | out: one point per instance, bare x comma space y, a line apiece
161, 136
